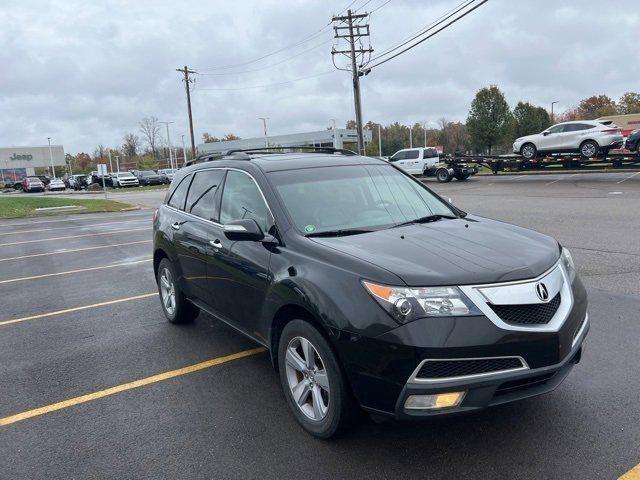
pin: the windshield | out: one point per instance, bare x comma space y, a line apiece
353, 197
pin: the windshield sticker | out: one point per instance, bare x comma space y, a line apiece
310, 228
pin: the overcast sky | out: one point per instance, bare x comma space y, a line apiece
86, 71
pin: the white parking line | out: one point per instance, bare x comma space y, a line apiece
59, 220
63, 250
91, 225
562, 178
69, 272
627, 178
74, 236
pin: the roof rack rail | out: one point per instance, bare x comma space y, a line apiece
244, 153
308, 148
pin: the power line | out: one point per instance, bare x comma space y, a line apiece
379, 7
303, 40
433, 24
268, 66
428, 36
266, 85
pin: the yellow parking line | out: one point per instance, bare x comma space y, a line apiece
75, 236
69, 272
75, 309
59, 252
633, 474
89, 225
129, 386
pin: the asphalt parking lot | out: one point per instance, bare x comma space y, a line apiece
96, 384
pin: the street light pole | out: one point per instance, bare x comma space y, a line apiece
118, 163
411, 137
53, 170
264, 125
552, 103
335, 137
424, 127
184, 151
168, 143
379, 141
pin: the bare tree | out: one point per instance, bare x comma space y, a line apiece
130, 145
150, 129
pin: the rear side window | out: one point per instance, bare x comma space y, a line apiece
180, 193
430, 153
241, 199
201, 197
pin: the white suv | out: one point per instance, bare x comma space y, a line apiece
587, 137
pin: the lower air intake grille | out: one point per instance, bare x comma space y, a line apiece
438, 369
528, 314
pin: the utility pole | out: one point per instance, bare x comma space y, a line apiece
379, 141
118, 163
356, 31
186, 72
410, 137
169, 143
110, 162
53, 170
552, 103
264, 125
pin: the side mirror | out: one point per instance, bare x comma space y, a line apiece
545, 133
247, 230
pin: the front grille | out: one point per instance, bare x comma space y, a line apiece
528, 314
438, 369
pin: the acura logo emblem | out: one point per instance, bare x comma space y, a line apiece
542, 292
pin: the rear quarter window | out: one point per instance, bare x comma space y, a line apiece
178, 195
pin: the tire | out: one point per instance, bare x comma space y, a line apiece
589, 149
638, 149
443, 175
462, 177
325, 412
529, 151
175, 306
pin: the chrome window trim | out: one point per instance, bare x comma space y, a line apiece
566, 304
580, 333
420, 380
211, 221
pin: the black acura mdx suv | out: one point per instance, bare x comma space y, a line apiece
368, 289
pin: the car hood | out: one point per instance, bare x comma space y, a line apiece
467, 251
533, 136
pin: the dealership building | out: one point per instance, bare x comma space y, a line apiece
19, 162
323, 138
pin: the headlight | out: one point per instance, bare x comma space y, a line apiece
567, 260
410, 303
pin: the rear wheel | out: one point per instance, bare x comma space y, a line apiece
176, 307
313, 383
529, 151
589, 149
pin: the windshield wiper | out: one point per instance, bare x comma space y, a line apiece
338, 233
426, 219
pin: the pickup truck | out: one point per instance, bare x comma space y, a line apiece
426, 161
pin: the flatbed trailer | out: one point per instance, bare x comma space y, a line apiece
501, 163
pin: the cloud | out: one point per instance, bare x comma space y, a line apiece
85, 73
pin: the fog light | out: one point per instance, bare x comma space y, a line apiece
433, 402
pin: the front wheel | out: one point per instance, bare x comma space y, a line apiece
176, 307
443, 175
589, 149
313, 383
529, 151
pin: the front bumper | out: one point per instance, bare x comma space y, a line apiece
490, 390
381, 369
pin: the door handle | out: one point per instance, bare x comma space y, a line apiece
215, 243
175, 226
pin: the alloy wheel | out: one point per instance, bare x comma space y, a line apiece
528, 151
588, 149
168, 291
307, 378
